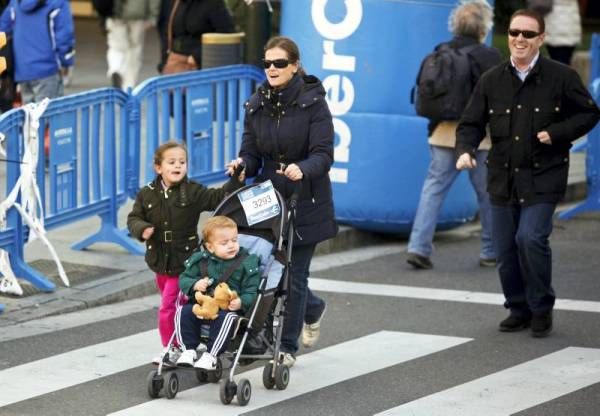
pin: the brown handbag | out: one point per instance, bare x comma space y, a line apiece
176, 62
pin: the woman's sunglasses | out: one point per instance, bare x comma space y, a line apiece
279, 63
527, 34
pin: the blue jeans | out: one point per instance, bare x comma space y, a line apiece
36, 90
440, 177
524, 256
302, 304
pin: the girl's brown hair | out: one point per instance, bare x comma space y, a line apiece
290, 48
214, 223
171, 144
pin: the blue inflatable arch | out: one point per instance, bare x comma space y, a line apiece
367, 53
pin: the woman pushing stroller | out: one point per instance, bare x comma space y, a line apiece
288, 137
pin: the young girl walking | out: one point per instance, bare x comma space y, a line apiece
165, 216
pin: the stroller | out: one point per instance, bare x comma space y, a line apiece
257, 335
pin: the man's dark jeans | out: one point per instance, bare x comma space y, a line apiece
521, 236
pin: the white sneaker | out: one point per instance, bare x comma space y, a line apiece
286, 358
311, 332
187, 358
207, 362
172, 354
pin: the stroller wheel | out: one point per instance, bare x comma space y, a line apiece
268, 379
244, 392
227, 390
201, 376
171, 385
215, 376
154, 383
282, 376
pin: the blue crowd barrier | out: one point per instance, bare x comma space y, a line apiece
592, 145
203, 108
87, 135
101, 145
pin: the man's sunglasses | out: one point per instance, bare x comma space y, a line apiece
527, 34
279, 63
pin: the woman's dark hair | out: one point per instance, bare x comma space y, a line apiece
530, 13
290, 48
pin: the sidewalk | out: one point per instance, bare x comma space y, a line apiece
106, 273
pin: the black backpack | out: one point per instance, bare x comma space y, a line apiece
444, 83
104, 8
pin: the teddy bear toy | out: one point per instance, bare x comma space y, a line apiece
207, 307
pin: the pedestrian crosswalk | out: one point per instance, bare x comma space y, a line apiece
537, 379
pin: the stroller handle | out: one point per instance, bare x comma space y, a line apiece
296, 194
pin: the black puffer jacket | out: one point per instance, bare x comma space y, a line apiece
294, 125
174, 214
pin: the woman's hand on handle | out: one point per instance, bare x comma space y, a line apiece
292, 172
231, 167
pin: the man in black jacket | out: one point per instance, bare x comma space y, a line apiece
535, 108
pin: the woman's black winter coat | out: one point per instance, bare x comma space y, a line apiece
294, 125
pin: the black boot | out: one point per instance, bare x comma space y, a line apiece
541, 325
514, 323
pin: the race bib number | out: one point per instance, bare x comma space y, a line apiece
259, 203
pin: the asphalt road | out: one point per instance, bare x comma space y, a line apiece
394, 341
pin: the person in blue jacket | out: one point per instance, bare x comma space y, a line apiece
288, 139
43, 43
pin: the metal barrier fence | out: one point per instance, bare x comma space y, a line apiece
84, 175
101, 145
203, 108
592, 144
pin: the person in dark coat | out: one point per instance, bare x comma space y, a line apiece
181, 28
165, 216
288, 139
535, 108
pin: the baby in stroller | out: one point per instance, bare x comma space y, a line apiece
221, 260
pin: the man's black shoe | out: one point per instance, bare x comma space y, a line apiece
541, 325
514, 323
419, 262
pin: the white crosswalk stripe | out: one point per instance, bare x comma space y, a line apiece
313, 371
540, 380
75, 367
512, 390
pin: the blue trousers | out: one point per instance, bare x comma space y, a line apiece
302, 304
440, 177
38, 89
189, 328
524, 256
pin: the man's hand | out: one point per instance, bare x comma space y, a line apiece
466, 161
544, 137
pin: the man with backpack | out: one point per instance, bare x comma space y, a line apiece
445, 82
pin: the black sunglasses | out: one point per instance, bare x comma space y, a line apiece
279, 63
527, 34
